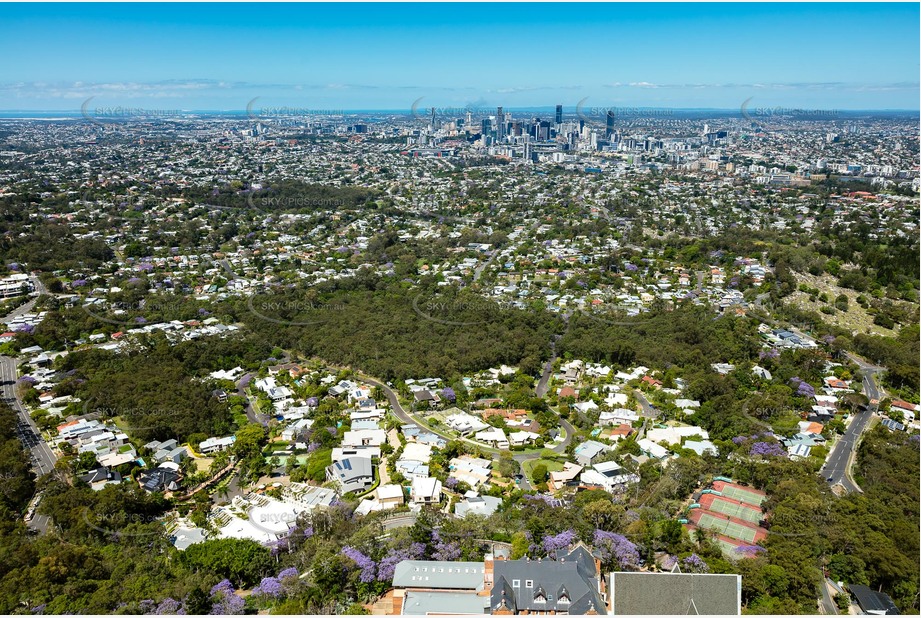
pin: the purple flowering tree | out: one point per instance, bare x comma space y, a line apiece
447, 394
169, 607
616, 550
225, 600
767, 449
564, 539
694, 564
368, 567
749, 551
289, 577
803, 389
389, 563
268, 589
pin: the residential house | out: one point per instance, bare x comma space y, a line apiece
586, 452
425, 491
215, 445
651, 449
567, 477
100, 477
873, 602
352, 474
390, 496
475, 504
493, 436
162, 478
364, 437
609, 476
618, 416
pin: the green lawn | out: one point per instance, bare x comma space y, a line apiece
552, 466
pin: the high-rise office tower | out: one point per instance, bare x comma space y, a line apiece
609, 127
500, 123
559, 114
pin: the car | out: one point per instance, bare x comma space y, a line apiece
830, 479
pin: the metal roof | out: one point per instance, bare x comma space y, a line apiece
439, 574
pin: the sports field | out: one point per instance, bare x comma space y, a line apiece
729, 528
727, 546
739, 511
741, 494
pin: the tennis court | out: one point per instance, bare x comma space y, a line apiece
739, 511
741, 494
727, 546
729, 528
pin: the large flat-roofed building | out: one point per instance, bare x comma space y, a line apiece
428, 587
667, 594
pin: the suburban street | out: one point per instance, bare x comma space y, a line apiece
405, 417
838, 465
242, 385
828, 604
648, 409
544, 381
43, 459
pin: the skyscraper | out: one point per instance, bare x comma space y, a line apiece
559, 114
609, 127
500, 123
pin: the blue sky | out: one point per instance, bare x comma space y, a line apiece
387, 56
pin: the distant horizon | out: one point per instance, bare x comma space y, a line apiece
571, 110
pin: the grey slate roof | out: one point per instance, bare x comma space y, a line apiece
675, 593
568, 584
439, 574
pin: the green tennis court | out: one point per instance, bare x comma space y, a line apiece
728, 528
739, 511
737, 493
727, 547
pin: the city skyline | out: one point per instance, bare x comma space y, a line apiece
363, 57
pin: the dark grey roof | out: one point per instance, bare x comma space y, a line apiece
675, 593
101, 474
576, 576
157, 479
873, 601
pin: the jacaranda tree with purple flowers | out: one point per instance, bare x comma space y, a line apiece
564, 539
367, 565
617, 552
694, 564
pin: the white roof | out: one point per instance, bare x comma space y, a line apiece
426, 486
385, 492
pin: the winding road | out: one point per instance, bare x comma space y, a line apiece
837, 468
